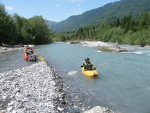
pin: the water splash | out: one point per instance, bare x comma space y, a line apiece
72, 72
138, 52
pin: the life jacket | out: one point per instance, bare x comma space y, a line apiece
88, 65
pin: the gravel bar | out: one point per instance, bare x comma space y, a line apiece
32, 89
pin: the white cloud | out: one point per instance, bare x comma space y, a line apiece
58, 5
9, 8
78, 5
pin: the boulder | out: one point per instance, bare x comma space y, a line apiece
99, 109
116, 49
74, 42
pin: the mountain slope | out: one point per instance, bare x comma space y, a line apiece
107, 13
50, 24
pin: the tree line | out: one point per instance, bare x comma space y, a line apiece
125, 30
15, 29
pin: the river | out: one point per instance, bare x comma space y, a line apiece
123, 83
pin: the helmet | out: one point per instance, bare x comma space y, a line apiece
87, 59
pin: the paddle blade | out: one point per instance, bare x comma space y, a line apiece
41, 58
72, 72
104, 64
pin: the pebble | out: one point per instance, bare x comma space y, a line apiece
11, 103
19, 111
9, 109
60, 109
99, 109
1, 104
4, 97
30, 89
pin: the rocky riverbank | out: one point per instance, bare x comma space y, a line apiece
9, 49
33, 89
105, 47
116, 49
4, 49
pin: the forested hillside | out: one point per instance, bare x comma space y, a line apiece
125, 30
50, 24
15, 29
108, 13
131, 29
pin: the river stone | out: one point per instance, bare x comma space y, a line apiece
60, 109
111, 49
11, 103
99, 109
14, 111
1, 104
20, 111
9, 109
4, 97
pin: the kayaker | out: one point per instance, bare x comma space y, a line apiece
88, 65
29, 50
26, 50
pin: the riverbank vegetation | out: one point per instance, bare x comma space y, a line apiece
125, 30
15, 29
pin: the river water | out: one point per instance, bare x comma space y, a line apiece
123, 84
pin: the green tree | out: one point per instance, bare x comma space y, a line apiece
7, 29
144, 22
21, 29
3, 17
39, 30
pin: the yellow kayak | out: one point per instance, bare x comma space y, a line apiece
90, 73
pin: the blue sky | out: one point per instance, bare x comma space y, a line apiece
54, 10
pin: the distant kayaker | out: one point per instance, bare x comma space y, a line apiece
31, 50
28, 50
88, 65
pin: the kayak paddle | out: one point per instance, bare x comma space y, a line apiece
41, 58
103, 64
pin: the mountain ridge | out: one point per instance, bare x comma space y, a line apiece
106, 13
